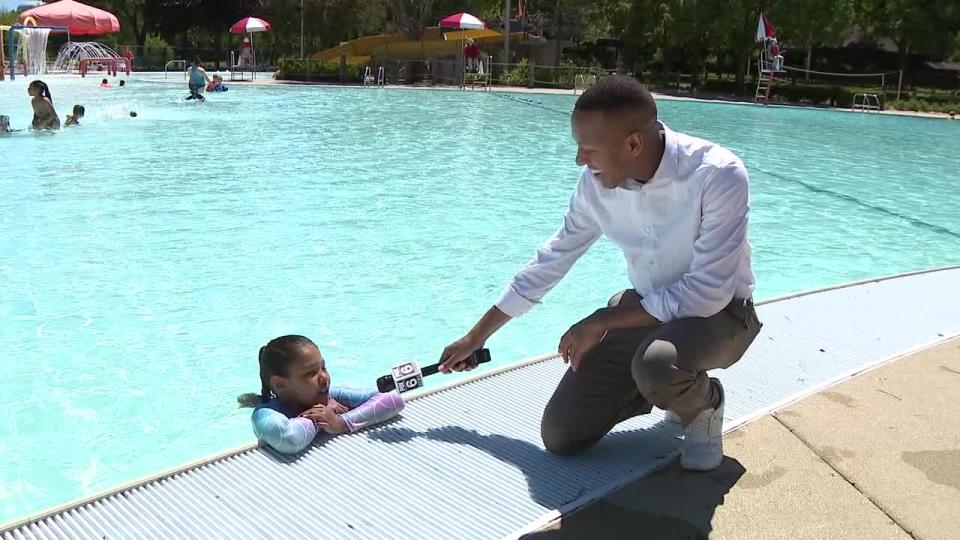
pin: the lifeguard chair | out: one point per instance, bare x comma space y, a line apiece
771, 59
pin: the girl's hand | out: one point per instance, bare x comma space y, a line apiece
337, 407
324, 417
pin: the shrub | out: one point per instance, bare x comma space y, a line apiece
297, 69
518, 76
156, 52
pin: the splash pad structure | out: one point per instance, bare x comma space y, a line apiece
31, 46
81, 55
70, 17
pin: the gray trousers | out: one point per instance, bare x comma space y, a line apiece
631, 370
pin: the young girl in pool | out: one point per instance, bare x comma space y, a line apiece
44, 115
296, 399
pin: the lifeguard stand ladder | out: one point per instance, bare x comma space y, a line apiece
768, 69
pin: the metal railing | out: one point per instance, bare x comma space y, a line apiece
182, 63
866, 102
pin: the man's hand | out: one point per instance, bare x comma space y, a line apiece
579, 339
324, 417
454, 357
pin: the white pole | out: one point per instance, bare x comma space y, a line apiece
301, 29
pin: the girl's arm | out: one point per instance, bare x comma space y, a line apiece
285, 435
368, 407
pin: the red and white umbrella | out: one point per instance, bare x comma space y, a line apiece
248, 25
764, 28
463, 21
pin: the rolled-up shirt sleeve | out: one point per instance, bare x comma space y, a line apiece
555, 257
709, 285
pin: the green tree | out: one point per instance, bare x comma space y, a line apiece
928, 27
738, 30
809, 23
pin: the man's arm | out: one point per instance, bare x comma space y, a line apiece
550, 263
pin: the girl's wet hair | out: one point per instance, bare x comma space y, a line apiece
44, 89
275, 358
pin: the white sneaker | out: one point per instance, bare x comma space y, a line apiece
702, 448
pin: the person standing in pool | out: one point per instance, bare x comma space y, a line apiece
44, 115
198, 79
678, 208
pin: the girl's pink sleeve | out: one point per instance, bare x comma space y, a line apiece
368, 407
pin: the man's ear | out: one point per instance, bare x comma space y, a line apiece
635, 143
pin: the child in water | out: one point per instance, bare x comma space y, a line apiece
297, 401
216, 85
74, 119
44, 115
4, 124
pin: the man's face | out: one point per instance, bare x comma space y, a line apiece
605, 146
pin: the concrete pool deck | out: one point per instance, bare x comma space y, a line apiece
875, 457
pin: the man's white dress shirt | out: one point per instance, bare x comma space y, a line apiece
683, 233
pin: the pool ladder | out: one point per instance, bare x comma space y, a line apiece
368, 77
181, 63
581, 82
866, 102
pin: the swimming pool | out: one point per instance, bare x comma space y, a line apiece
143, 261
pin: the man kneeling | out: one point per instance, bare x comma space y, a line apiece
678, 207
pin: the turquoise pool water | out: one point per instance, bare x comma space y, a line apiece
143, 261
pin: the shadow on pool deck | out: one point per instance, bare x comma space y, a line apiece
670, 504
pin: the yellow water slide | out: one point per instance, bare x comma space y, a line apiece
433, 43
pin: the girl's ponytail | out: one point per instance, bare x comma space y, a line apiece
251, 399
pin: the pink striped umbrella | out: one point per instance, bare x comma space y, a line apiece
248, 25
463, 21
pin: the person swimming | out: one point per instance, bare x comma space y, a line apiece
5, 124
198, 79
44, 115
74, 119
104, 84
297, 401
216, 85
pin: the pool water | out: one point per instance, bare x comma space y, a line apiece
143, 261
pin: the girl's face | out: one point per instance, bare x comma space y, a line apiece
308, 383
33, 90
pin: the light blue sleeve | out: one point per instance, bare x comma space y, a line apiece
285, 435
367, 406
352, 396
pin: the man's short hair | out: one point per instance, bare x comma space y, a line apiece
615, 94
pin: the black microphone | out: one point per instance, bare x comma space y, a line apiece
409, 376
